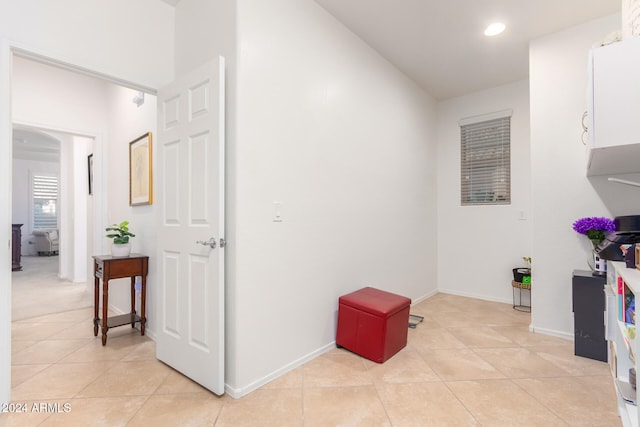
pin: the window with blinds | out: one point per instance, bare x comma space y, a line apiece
485, 167
45, 202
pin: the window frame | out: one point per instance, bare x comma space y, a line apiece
487, 138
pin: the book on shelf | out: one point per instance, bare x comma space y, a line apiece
629, 305
626, 302
620, 293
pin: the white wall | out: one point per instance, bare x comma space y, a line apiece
23, 170
205, 29
561, 193
49, 97
66, 201
478, 246
127, 122
128, 40
39, 93
74, 221
82, 147
347, 144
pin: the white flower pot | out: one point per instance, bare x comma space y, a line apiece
120, 250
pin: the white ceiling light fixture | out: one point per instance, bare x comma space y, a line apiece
494, 29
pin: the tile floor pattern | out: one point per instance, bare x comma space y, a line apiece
470, 363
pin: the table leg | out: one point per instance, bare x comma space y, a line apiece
133, 302
105, 307
143, 301
96, 304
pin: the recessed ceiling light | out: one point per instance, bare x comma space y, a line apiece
494, 29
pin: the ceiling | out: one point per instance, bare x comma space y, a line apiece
440, 43
32, 144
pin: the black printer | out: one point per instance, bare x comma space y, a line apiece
627, 233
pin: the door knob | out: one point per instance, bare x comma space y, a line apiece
211, 243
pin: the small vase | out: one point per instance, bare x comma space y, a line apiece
120, 250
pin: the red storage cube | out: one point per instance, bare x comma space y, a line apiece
373, 323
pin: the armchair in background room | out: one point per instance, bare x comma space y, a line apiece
46, 242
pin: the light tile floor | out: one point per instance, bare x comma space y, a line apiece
469, 363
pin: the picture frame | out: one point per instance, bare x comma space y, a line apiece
90, 173
141, 171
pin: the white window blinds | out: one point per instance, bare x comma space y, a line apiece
45, 202
485, 167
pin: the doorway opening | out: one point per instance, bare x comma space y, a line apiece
53, 206
50, 104
73, 111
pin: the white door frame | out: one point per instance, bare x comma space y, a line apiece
5, 221
8, 49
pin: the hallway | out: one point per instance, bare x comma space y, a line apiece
37, 290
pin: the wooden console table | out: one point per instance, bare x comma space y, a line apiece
107, 267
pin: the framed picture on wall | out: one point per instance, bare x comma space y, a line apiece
90, 172
140, 171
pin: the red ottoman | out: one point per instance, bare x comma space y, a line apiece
373, 323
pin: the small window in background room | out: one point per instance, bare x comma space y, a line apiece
45, 202
485, 159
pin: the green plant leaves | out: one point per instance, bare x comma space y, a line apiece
119, 232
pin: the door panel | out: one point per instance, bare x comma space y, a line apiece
191, 199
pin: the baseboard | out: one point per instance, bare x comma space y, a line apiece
237, 393
424, 297
149, 333
551, 332
475, 296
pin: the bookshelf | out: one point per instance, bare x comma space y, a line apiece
622, 285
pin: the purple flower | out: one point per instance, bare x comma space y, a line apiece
594, 228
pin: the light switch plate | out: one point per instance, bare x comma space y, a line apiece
277, 212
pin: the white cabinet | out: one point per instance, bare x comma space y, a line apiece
614, 110
623, 346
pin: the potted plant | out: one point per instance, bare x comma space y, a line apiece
120, 234
595, 228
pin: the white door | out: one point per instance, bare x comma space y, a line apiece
190, 229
